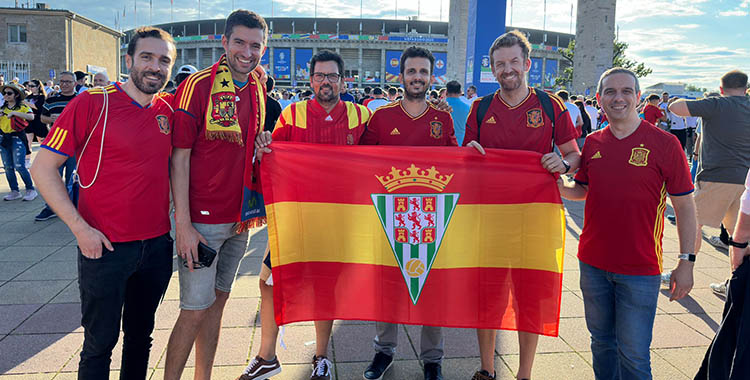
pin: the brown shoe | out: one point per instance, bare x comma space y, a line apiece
483, 375
260, 369
321, 368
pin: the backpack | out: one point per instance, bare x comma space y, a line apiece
544, 100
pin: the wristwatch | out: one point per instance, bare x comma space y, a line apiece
687, 256
567, 166
736, 244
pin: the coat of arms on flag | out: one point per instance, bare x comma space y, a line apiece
415, 223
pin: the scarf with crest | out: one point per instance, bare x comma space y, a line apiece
222, 123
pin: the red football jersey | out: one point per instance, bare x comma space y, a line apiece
307, 121
628, 182
216, 166
521, 127
652, 113
130, 198
392, 125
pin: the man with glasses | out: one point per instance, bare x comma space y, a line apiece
52, 108
325, 119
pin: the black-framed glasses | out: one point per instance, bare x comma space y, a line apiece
66, 81
332, 77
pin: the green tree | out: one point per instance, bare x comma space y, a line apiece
618, 60
691, 87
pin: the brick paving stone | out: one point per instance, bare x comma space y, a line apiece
11, 316
59, 318
37, 352
26, 292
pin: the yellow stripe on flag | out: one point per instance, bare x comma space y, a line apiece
529, 236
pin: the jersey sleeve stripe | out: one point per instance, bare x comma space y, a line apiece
54, 150
55, 137
300, 116
366, 114
61, 140
659, 224
681, 194
190, 87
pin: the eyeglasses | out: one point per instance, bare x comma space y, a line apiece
32, 86
66, 82
9, 93
332, 77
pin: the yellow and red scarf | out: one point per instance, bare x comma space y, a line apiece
222, 123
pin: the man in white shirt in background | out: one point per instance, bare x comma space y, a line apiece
378, 99
575, 115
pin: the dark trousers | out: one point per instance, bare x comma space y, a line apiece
126, 284
681, 135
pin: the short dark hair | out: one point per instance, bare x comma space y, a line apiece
734, 79
149, 32
589, 102
453, 87
392, 91
326, 56
563, 95
664, 93
434, 94
377, 91
509, 39
415, 52
619, 70
270, 82
367, 89
573, 98
653, 97
248, 19
80, 74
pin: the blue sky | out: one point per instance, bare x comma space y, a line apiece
689, 41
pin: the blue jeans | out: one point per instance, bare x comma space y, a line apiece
620, 311
14, 160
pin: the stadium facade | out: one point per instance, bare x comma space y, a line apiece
370, 47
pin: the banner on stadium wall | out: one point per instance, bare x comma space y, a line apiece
535, 72
441, 68
264, 61
392, 66
281, 62
404, 235
550, 73
485, 74
302, 59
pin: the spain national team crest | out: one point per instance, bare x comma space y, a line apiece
639, 156
415, 223
223, 112
436, 129
163, 123
534, 118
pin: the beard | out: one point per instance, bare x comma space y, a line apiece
510, 84
328, 96
139, 79
412, 94
236, 66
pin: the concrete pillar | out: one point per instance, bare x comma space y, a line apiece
595, 35
459, 13
382, 66
359, 67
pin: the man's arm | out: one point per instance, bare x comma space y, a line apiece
577, 192
47, 179
679, 107
186, 236
569, 151
681, 281
48, 119
741, 235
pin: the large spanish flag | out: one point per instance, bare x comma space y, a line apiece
421, 235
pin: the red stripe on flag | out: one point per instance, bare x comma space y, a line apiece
500, 177
492, 298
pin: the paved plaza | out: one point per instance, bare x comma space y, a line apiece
41, 337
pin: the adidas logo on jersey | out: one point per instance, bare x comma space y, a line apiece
491, 120
596, 155
328, 118
395, 132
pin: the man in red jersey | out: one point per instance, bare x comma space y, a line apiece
324, 120
120, 135
411, 121
515, 117
219, 112
651, 112
627, 170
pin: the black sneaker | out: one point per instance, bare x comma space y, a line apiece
45, 214
483, 375
380, 363
432, 371
321, 368
260, 369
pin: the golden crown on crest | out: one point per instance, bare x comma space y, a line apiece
414, 176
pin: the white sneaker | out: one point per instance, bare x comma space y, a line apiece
717, 243
30, 195
719, 288
12, 196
